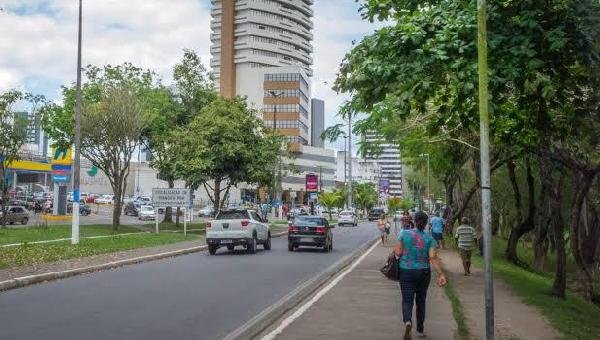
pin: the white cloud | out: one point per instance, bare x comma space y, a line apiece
39, 53
151, 34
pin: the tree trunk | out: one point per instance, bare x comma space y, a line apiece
217, 195
541, 242
169, 210
560, 278
177, 217
584, 182
526, 224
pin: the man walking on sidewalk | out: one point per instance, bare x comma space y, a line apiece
416, 251
437, 230
465, 234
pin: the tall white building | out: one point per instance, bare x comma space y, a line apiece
389, 163
261, 49
250, 34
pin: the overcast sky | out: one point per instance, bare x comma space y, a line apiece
38, 40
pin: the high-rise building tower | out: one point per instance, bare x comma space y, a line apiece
389, 163
317, 125
250, 34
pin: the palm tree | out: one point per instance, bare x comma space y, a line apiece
330, 200
365, 196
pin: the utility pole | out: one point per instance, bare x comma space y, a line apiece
484, 122
426, 155
77, 139
345, 160
350, 161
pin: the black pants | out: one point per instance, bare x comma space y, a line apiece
414, 284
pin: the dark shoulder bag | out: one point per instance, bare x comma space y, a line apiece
390, 269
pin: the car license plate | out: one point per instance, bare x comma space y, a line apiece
306, 239
225, 225
226, 241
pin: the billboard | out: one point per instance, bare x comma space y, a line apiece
384, 185
312, 182
61, 156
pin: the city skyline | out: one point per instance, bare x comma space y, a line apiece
46, 32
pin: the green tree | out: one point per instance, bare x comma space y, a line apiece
226, 144
330, 200
13, 129
418, 77
168, 109
112, 129
365, 195
113, 113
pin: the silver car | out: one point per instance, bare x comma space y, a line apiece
347, 217
16, 214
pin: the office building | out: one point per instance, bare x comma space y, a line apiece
317, 125
389, 163
253, 34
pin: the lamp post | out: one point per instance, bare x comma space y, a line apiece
77, 138
350, 193
484, 121
426, 155
345, 159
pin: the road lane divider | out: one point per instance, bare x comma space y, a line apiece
265, 319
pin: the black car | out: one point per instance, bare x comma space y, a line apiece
84, 209
375, 214
312, 231
132, 208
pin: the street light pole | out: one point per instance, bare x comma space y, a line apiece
486, 215
426, 155
77, 139
345, 160
350, 161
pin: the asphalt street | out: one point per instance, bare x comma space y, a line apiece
195, 296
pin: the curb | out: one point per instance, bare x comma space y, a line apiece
24, 281
259, 323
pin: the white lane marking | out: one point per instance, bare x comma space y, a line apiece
68, 239
290, 319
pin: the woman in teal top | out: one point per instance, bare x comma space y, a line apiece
416, 251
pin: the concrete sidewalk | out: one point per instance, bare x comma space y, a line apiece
366, 305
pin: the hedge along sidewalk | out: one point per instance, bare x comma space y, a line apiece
513, 318
32, 274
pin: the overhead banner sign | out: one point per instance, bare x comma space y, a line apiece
312, 182
175, 197
384, 185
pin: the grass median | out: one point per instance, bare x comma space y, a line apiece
574, 317
33, 254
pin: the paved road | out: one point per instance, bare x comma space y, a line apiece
188, 297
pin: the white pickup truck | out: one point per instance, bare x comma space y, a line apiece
237, 227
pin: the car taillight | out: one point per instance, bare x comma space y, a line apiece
321, 230
293, 229
245, 223
208, 225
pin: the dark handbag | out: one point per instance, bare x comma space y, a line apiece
391, 269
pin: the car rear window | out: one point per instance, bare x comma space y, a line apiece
346, 213
232, 215
309, 221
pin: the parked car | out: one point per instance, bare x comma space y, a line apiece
104, 199
146, 213
375, 214
84, 209
237, 227
313, 231
132, 208
347, 217
16, 214
207, 211
296, 212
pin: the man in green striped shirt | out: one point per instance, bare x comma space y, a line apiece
465, 237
